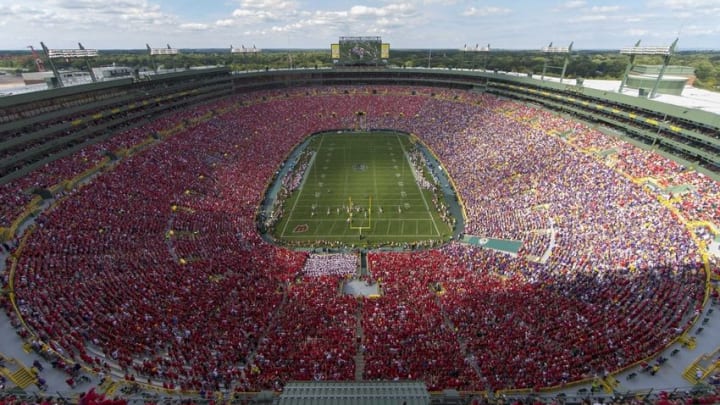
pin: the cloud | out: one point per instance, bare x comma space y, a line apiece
305, 23
313, 19
636, 32
14, 9
604, 9
194, 26
689, 9
485, 11
696, 30
262, 18
95, 23
687, 4
364, 11
389, 10
591, 17
95, 14
9, 13
228, 22
243, 13
265, 11
257, 16
390, 23
441, 2
328, 15
572, 4
269, 4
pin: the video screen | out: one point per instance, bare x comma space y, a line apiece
360, 50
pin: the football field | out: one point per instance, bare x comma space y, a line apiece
360, 188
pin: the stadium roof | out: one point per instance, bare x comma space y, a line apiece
692, 97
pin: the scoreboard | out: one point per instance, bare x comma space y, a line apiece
360, 51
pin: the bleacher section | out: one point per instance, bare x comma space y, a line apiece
689, 135
685, 133
38, 128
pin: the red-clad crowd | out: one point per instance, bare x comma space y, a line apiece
406, 334
17, 193
311, 338
158, 265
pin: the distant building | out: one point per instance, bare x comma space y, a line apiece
36, 77
74, 77
104, 73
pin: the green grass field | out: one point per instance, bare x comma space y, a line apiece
360, 184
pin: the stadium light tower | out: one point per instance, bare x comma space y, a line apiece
242, 49
87, 63
234, 50
664, 51
551, 50
160, 51
486, 52
477, 50
68, 54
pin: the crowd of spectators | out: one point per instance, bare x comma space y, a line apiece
311, 338
700, 197
17, 193
675, 397
91, 397
340, 264
293, 179
406, 336
212, 305
15, 198
702, 201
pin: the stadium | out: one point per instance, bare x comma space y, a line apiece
361, 234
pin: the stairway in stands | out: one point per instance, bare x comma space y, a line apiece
359, 345
362, 272
469, 357
16, 372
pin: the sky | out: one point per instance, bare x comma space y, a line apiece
303, 24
